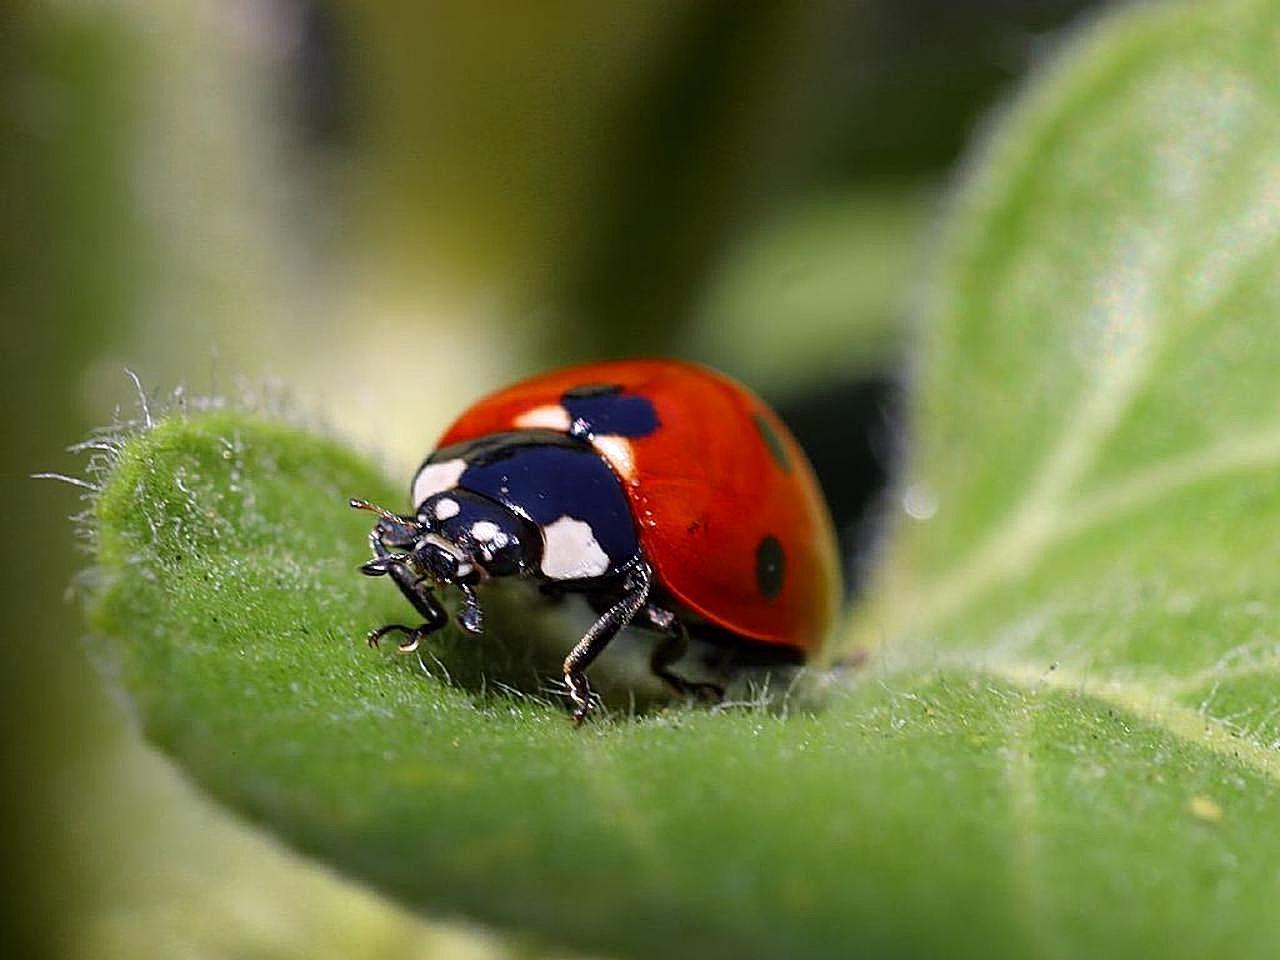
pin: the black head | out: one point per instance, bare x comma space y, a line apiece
454, 537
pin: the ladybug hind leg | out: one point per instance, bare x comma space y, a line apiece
672, 647
597, 637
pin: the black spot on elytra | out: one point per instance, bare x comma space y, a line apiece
774, 442
591, 390
601, 409
771, 567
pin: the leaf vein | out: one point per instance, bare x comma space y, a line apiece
1024, 817
1191, 726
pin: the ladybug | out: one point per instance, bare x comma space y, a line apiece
667, 494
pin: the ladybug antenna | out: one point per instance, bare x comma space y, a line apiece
383, 512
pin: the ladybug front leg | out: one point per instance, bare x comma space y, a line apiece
598, 636
416, 590
424, 601
414, 634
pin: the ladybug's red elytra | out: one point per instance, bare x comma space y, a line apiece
668, 494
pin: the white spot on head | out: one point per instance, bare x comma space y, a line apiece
446, 508
617, 450
488, 532
549, 417
570, 551
436, 478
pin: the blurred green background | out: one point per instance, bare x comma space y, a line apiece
384, 211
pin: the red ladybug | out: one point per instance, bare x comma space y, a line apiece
669, 495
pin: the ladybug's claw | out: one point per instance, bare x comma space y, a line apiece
414, 634
580, 694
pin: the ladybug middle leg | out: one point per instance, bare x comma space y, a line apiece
600, 633
470, 617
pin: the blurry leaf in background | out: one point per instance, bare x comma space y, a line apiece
590, 163
903, 81
705, 135
1104, 304
134, 232
67, 234
823, 289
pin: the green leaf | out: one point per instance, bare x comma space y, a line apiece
240, 614
835, 267
1098, 419
1068, 745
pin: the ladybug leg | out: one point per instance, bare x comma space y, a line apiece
414, 634
670, 649
659, 618
418, 593
427, 605
381, 566
416, 590
598, 636
470, 617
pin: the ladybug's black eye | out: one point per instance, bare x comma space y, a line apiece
396, 534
